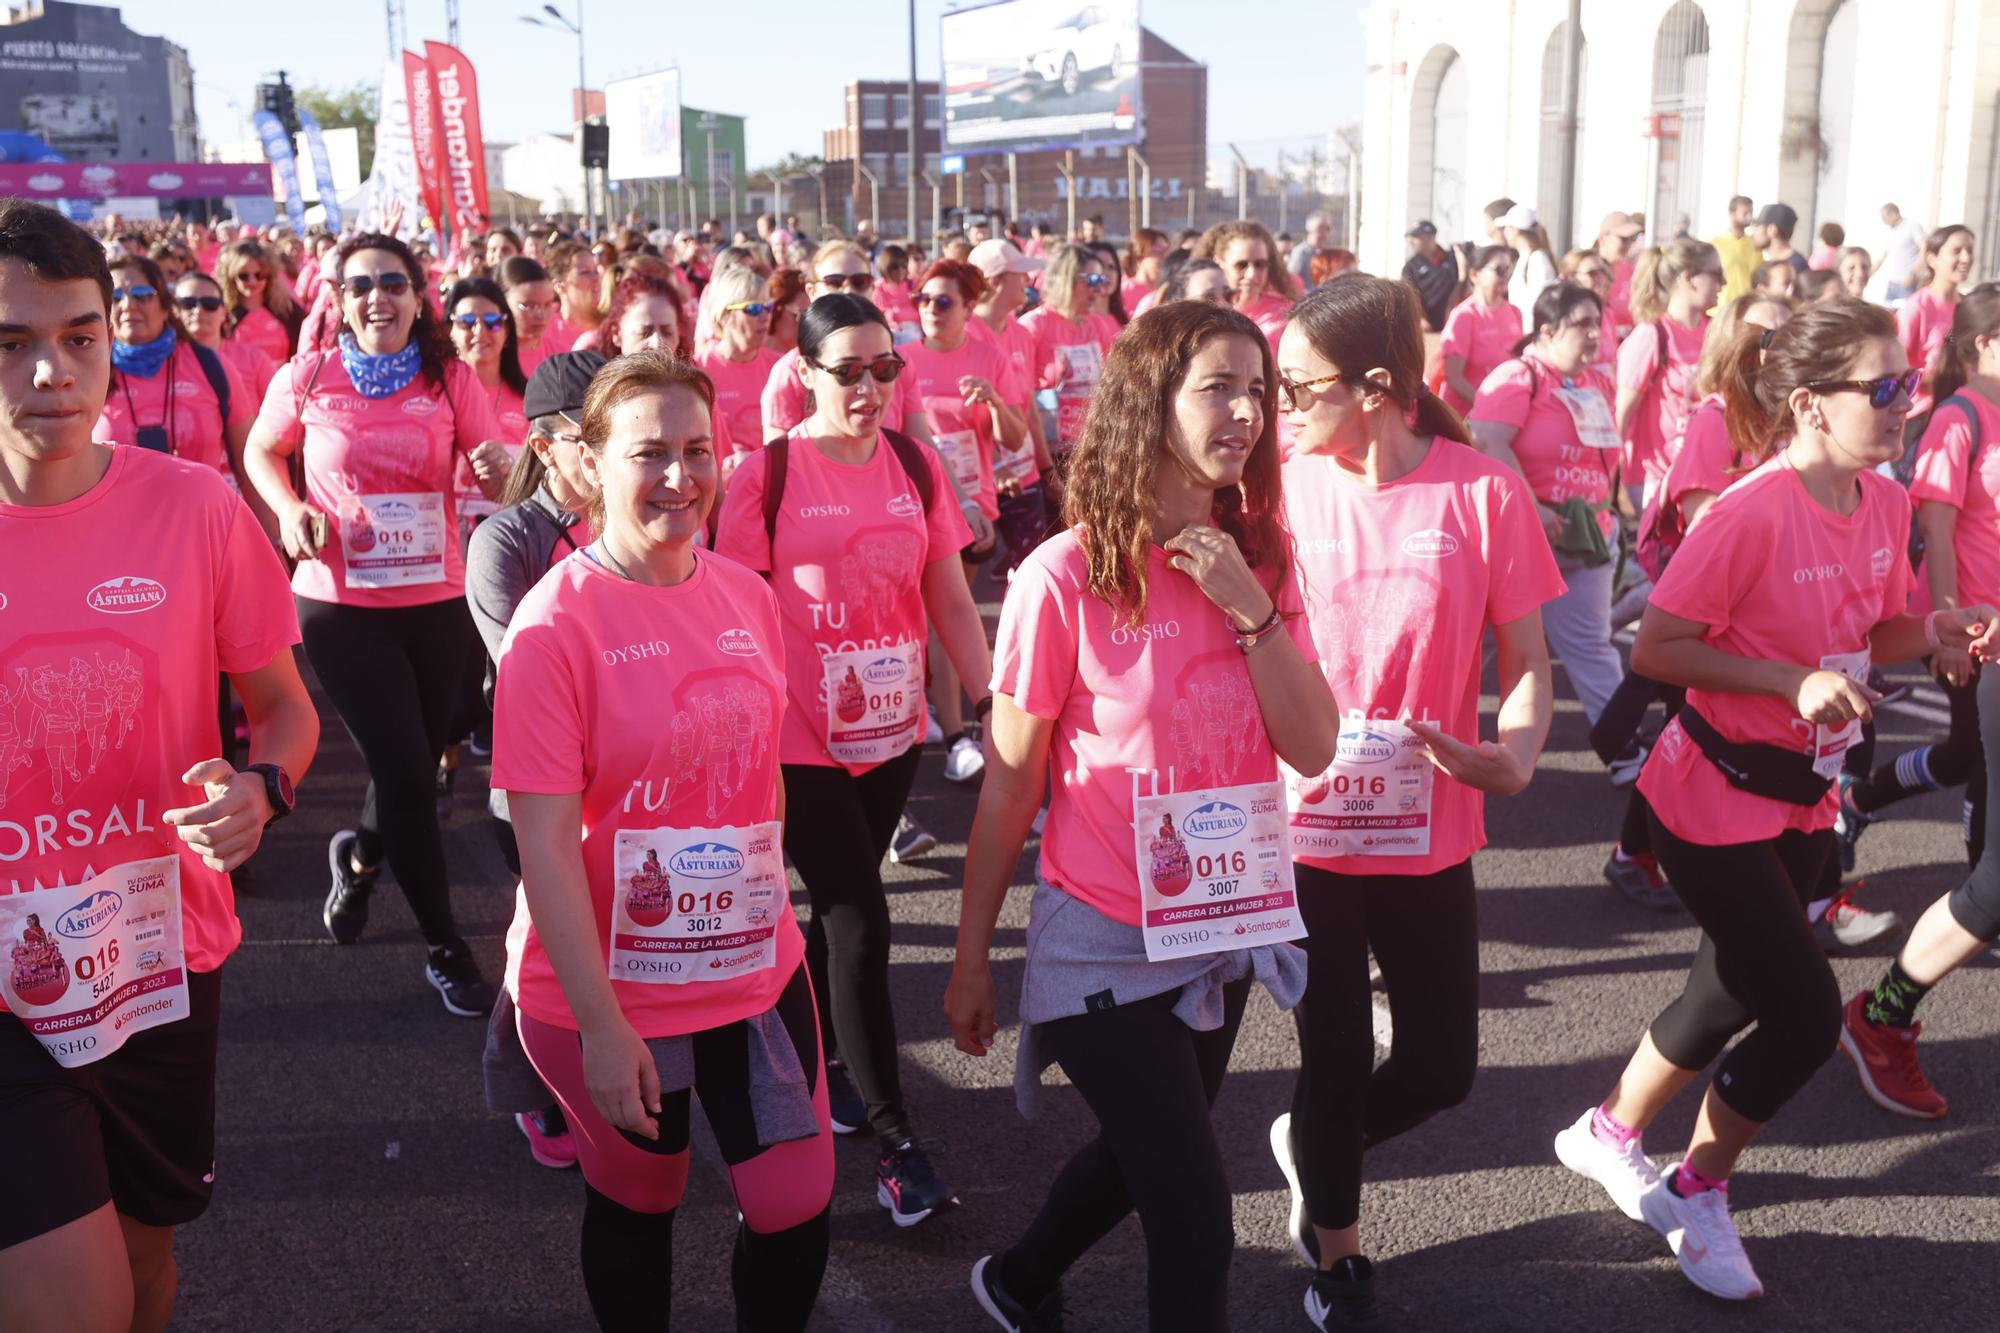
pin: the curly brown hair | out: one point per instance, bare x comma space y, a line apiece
1214, 243
1111, 491
427, 331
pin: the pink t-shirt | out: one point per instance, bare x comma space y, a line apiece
1707, 459
1146, 302
1558, 465
893, 300
1665, 400
1019, 346
1618, 306
252, 367
308, 275
1400, 582
1925, 321
511, 415
1166, 706
739, 393
196, 431
1051, 329
406, 444
1949, 471
110, 643
1777, 578
784, 401
265, 332
934, 377
1106, 326
1484, 335
560, 336
852, 545
587, 654
1270, 313
1132, 292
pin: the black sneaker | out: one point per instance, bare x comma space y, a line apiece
1344, 1297
912, 840
1009, 1313
906, 1185
844, 1105
1892, 691
455, 973
346, 913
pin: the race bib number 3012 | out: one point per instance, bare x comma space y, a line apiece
698, 904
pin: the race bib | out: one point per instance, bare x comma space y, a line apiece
696, 904
1590, 410
395, 541
1374, 800
1083, 367
874, 703
1015, 465
960, 449
1831, 744
87, 966
1215, 870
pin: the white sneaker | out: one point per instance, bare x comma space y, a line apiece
1857, 925
1304, 1240
933, 730
1704, 1237
1626, 1174
964, 762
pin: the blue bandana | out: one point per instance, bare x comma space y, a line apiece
379, 376
142, 359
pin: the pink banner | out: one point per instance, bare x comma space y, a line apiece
426, 136
464, 155
106, 180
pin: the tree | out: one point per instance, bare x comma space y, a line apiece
791, 164
346, 108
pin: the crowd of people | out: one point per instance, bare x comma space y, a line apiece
684, 536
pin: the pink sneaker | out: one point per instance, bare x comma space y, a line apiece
549, 1140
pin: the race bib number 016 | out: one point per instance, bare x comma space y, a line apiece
1215, 870
87, 966
696, 904
874, 703
1373, 800
394, 541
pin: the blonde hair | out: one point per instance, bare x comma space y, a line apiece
239, 255
1064, 266
1715, 351
1659, 268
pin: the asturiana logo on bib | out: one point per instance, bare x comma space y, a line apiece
906, 505
706, 860
1217, 819
91, 915
126, 596
1431, 544
1364, 747
884, 671
393, 512
737, 642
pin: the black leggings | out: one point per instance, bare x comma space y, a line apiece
1958, 760
1757, 963
393, 674
837, 830
1151, 1080
1975, 904
1425, 933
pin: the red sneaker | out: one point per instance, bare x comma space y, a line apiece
1886, 1059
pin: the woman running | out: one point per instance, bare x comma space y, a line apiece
1069, 349
1260, 286
1925, 320
1482, 331
204, 317
836, 268
168, 393
1022, 473
531, 298
1411, 547
737, 362
261, 309
107, 1100
1148, 654
482, 334
1673, 288
859, 531
378, 425
654, 954
1769, 615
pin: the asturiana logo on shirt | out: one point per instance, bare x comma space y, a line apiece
420, 406
706, 860
737, 642
1880, 562
906, 506
126, 596
91, 915
1430, 544
1216, 819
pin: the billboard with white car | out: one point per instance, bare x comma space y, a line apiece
1021, 75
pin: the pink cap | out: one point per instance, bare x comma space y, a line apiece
997, 257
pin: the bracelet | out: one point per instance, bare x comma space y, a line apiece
981, 707
1930, 630
1250, 638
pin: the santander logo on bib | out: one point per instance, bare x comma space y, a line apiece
737, 642
1216, 819
706, 860
1430, 544
906, 506
126, 596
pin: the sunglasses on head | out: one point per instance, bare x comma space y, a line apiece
1881, 392
138, 291
754, 309
940, 302
492, 319
208, 303
392, 284
854, 282
848, 373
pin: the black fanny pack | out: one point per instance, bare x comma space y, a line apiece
1761, 770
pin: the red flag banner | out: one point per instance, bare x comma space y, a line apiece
424, 132
464, 143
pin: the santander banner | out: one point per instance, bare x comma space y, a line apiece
463, 145
425, 135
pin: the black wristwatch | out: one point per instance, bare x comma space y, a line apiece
277, 790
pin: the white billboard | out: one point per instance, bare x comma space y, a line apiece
644, 116
1027, 74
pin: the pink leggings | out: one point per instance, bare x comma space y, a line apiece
776, 1188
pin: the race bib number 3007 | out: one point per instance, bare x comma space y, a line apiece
1215, 870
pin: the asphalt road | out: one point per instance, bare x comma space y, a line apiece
361, 1185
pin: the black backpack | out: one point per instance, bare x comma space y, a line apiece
908, 453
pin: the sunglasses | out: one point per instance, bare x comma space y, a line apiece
392, 284
1297, 397
848, 373
754, 309
252, 277
939, 303
492, 319
1881, 393
854, 282
1095, 280
1251, 265
208, 303
138, 291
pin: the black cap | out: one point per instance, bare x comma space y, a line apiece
1424, 228
1782, 216
559, 384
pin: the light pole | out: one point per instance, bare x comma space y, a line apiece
555, 19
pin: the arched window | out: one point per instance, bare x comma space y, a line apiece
1439, 104
1548, 193
1815, 156
1680, 97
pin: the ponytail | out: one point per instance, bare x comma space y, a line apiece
1436, 417
1659, 268
1978, 317
1359, 322
1763, 368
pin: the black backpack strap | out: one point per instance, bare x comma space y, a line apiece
915, 465
780, 454
218, 378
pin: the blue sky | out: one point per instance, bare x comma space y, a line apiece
779, 62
